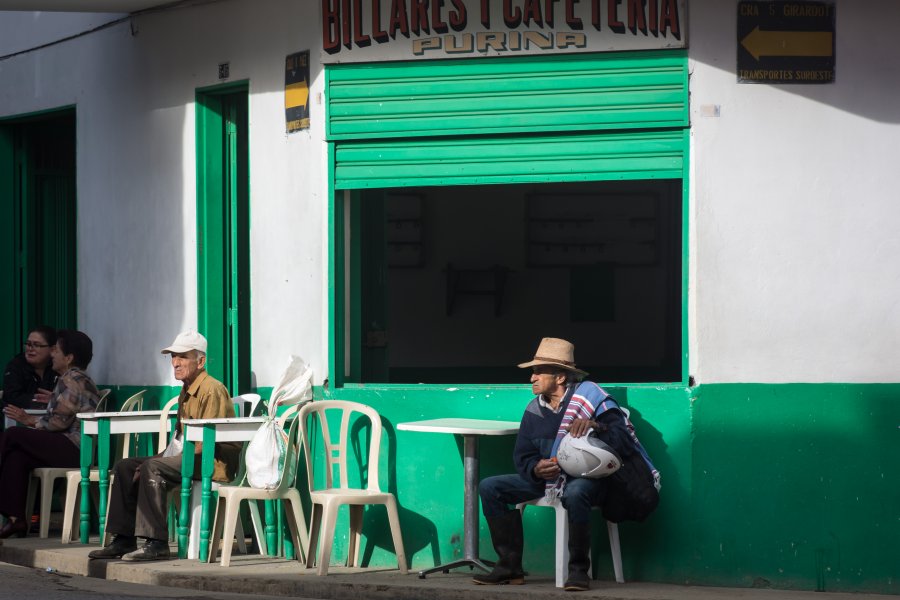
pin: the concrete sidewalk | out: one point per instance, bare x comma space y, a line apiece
268, 576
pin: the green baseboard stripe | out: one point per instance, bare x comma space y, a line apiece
791, 486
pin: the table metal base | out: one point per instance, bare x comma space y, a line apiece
484, 565
470, 430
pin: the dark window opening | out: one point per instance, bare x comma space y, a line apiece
458, 284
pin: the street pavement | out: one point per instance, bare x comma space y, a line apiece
23, 583
264, 576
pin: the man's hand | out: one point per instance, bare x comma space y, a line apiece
580, 427
546, 468
42, 396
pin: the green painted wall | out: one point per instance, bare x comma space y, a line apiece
784, 486
426, 473
797, 486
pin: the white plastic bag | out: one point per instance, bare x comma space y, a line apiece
175, 446
266, 455
295, 385
267, 451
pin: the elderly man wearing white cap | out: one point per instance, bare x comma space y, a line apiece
139, 493
563, 404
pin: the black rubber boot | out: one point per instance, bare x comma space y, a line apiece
579, 557
506, 535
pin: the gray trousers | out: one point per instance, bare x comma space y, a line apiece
140, 507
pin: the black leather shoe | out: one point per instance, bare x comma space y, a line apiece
501, 576
18, 528
120, 546
577, 582
152, 550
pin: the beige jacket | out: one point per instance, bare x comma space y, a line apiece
207, 398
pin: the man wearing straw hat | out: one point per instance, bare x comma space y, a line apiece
138, 498
562, 404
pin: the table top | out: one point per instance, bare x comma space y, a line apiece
223, 421
128, 414
229, 429
462, 426
135, 421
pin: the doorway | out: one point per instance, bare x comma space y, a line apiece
38, 199
223, 233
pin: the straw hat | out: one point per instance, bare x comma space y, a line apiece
557, 353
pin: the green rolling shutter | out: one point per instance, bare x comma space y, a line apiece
522, 159
572, 92
575, 117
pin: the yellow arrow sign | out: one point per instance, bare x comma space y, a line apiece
788, 43
296, 94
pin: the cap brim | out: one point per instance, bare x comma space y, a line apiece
535, 363
176, 350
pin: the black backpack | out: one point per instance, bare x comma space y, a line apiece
634, 494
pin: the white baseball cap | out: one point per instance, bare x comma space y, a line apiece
186, 341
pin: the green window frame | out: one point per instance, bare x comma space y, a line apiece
637, 130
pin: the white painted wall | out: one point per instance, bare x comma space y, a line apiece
25, 30
795, 194
794, 191
137, 179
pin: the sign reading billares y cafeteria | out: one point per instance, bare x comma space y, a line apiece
379, 30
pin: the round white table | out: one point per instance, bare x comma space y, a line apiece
470, 430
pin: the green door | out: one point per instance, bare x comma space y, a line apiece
37, 178
223, 210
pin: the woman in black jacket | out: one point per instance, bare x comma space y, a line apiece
29, 377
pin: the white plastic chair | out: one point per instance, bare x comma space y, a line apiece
46, 477
226, 517
164, 430
327, 501
101, 403
245, 404
562, 540
71, 511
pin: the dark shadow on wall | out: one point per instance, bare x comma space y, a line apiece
418, 532
643, 539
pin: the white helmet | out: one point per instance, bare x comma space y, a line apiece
587, 456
